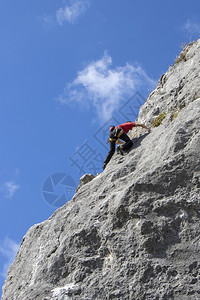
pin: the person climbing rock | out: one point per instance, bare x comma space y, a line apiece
120, 133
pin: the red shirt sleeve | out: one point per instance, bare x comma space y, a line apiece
126, 126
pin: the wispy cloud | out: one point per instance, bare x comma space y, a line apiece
9, 188
104, 86
48, 21
72, 12
8, 248
191, 27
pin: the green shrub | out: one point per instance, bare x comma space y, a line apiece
159, 120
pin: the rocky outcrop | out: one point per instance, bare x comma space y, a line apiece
85, 179
133, 231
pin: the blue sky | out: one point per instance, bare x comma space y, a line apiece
69, 69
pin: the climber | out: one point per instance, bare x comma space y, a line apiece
120, 133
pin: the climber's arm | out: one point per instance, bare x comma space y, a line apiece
142, 125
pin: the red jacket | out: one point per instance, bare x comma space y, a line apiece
126, 126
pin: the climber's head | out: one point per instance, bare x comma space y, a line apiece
112, 128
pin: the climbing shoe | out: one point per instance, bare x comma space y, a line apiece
119, 150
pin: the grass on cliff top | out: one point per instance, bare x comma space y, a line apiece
185, 48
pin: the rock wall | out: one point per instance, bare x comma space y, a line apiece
133, 231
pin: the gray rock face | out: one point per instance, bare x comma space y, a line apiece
133, 231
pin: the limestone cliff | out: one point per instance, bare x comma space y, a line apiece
133, 231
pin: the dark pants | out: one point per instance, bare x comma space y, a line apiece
128, 144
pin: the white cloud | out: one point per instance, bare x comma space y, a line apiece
72, 12
104, 86
9, 188
8, 248
192, 27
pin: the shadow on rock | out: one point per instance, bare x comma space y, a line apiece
137, 141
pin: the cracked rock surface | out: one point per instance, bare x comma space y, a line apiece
132, 232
